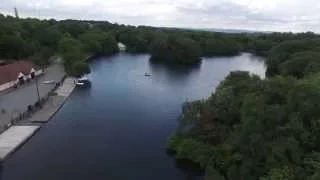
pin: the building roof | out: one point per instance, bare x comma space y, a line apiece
10, 72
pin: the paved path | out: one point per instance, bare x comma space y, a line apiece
16, 101
15, 136
66, 88
48, 110
54, 103
12, 138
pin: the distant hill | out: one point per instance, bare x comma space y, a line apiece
236, 31
232, 31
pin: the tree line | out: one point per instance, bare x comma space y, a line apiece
259, 129
250, 128
38, 40
75, 40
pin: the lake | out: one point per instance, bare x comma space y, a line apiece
118, 128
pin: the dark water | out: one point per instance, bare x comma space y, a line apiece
117, 129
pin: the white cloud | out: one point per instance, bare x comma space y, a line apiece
279, 15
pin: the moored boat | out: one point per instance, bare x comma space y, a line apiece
83, 81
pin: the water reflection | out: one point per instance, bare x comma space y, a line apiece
189, 167
118, 128
174, 73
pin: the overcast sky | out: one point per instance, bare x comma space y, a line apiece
263, 15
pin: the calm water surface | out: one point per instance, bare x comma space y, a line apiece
117, 129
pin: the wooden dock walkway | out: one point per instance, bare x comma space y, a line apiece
17, 135
13, 138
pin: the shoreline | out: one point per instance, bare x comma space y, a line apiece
20, 132
53, 103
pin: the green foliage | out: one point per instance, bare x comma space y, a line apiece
187, 148
227, 100
24, 38
67, 43
137, 40
108, 44
248, 129
48, 37
268, 129
220, 47
261, 46
280, 56
284, 173
98, 42
72, 27
174, 49
213, 174
13, 46
301, 64
42, 57
73, 56
38, 40
80, 68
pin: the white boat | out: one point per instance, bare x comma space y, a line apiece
79, 84
82, 81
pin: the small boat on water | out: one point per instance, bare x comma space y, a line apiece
146, 74
79, 84
84, 81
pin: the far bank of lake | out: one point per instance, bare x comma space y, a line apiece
118, 128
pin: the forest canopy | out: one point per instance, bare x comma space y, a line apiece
38, 40
252, 128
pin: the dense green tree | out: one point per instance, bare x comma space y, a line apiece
73, 56
174, 49
49, 37
67, 43
73, 27
136, 40
91, 42
301, 64
268, 129
100, 43
108, 44
42, 57
261, 46
220, 47
28, 36
80, 68
287, 50
248, 129
14, 47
